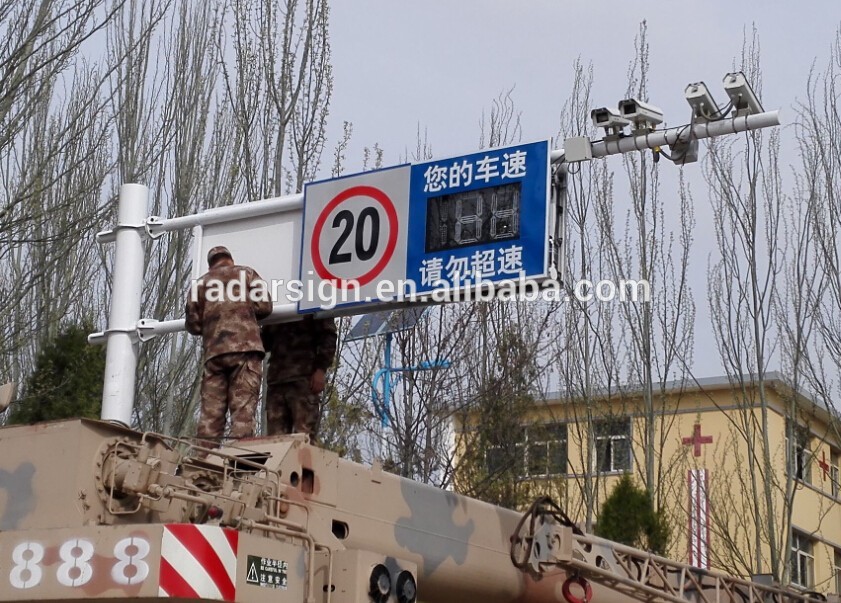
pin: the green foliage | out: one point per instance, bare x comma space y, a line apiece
66, 382
342, 419
491, 464
628, 517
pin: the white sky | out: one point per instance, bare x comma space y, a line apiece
438, 63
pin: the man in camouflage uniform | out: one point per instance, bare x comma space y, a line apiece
223, 307
301, 352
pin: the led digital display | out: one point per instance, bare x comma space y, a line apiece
473, 217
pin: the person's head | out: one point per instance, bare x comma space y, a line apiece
219, 256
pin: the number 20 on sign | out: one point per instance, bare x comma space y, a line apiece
355, 232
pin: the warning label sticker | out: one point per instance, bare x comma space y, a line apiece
265, 572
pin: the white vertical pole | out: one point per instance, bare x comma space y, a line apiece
121, 354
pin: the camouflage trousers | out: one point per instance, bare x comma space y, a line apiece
230, 382
291, 407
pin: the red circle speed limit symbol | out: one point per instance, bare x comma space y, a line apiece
359, 235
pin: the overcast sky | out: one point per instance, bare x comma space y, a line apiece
438, 63
398, 63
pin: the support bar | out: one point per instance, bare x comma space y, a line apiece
147, 328
699, 131
156, 226
658, 138
663, 138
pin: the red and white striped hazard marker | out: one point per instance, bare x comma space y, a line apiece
699, 518
198, 562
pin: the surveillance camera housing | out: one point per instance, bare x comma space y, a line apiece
703, 105
610, 120
644, 116
741, 94
613, 123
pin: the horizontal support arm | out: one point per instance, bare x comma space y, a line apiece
147, 328
664, 138
658, 138
157, 226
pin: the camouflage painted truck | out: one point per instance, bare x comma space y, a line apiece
93, 511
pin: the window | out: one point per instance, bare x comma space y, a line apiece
802, 561
507, 456
834, 476
534, 451
837, 571
612, 440
798, 453
547, 450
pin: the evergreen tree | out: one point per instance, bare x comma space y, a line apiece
628, 517
66, 382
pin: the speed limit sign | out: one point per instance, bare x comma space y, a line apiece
355, 233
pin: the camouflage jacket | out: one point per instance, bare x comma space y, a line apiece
299, 348
228, 323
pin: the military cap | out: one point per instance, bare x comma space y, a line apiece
217, 251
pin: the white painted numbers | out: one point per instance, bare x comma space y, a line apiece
130, 567
75, 568
26, 571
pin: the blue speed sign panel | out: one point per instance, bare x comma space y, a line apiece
477, 217
445, 224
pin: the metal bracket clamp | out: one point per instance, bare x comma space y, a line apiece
101, 337
558, 196
110, 234
551, 544
150, 224
144, 329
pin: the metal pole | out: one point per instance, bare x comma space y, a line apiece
664, 138
700, 131
387, 380
121, 354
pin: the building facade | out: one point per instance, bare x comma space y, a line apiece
747, 474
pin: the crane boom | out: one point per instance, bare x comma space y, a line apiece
547, 539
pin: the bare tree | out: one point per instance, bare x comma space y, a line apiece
747, 203
585, 341
173, 99
54, 157
266, 96
165, 141
660, 331
278, 87
819, 190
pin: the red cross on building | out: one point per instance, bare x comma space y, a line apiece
697, 439
823, 464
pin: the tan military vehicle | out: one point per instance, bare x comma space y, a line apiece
96, 512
